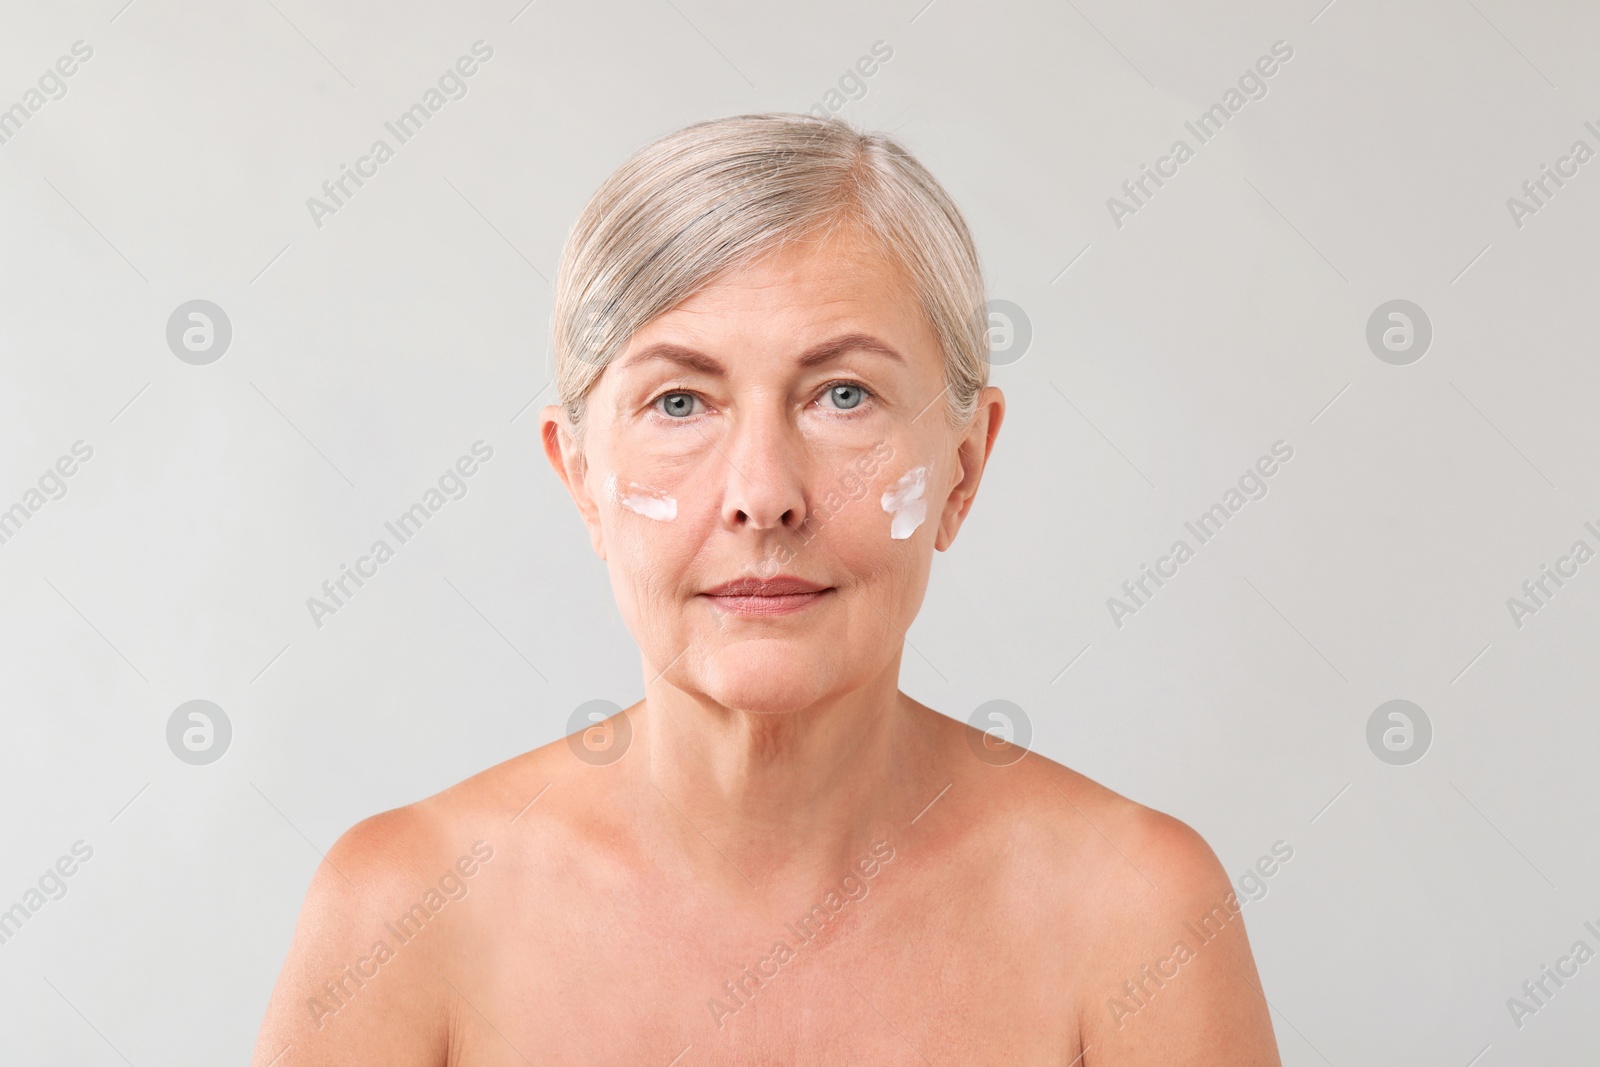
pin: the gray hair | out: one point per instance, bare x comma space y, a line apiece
717, 194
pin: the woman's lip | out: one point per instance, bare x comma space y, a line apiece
779, 585
782, 604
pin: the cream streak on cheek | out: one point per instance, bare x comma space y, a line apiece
906, 503
642, 500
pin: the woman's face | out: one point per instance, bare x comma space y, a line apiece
786, 421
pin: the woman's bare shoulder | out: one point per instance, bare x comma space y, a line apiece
1143, 896
1142, 841
385, 860
491, 804
396, 897
1070, 813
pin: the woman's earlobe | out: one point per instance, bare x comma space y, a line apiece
950, 520
972, 457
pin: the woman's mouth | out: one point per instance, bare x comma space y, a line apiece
781, 595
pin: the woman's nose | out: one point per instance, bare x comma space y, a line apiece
765, 485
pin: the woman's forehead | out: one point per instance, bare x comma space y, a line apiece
844, 266
811, 292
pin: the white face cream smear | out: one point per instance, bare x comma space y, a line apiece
905, 503
642, 500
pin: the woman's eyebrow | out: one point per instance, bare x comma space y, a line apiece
811, 357
850, 342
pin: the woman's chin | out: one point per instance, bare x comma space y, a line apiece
762, 694
773, 679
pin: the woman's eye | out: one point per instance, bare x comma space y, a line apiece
677, 405
846, 395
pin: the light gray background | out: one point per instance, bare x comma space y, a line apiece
1168, 354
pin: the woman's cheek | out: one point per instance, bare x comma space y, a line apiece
869, 519
640, 520
640, 498
906, 501
906, 504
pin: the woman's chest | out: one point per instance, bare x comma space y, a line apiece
917, 974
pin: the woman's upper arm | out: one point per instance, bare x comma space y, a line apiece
351, 991
1174, 982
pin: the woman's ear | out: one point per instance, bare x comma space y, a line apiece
561, 448
972, 455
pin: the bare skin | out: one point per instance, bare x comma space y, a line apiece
778, 857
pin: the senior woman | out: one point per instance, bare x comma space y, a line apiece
772, 358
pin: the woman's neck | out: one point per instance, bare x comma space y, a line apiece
788, 797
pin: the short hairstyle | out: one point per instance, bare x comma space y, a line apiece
717, 194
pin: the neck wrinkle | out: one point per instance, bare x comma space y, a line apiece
785, 797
